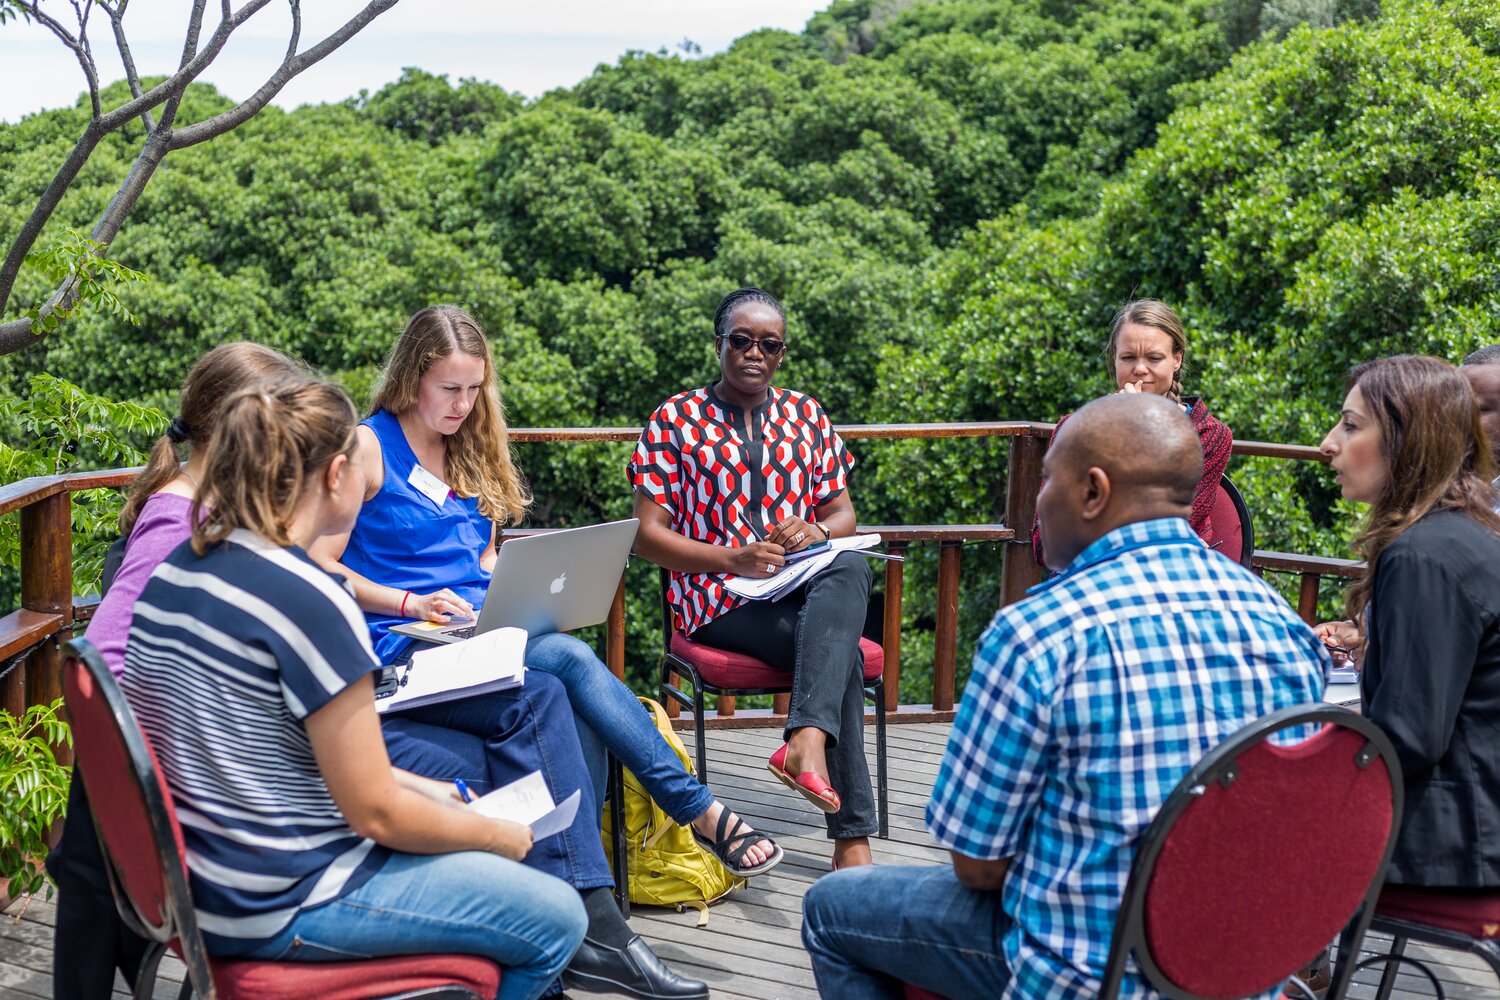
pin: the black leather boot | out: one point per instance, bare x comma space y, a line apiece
634, 969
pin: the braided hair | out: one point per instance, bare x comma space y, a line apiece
739, 297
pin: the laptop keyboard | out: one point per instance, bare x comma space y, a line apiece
461, 633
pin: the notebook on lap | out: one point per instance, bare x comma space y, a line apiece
554, 582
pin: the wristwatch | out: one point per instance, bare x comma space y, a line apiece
827, 535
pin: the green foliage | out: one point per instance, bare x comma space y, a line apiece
951, 198
77, 266
61, 429
33, 794
426, 107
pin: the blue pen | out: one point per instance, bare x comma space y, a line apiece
463, 789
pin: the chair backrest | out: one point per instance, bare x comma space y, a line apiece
1260, 855
133, 813
1233, 530
113, 557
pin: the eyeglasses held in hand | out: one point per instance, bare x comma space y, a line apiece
769, 346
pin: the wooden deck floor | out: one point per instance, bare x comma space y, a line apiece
751, 947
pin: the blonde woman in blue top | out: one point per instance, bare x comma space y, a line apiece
250, 670
440, 479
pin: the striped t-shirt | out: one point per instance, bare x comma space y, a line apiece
228, 654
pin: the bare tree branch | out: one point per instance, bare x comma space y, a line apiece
117, 22
161, 138
189, 50
79, 48
177, 82
294, 64
100, 126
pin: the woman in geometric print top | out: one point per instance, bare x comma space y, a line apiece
728, 480
250, 670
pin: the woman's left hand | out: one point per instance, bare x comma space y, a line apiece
795, 534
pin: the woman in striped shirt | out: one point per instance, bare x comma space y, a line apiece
250, 670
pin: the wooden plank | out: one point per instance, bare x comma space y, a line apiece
1291, 562
24, 628
751, 948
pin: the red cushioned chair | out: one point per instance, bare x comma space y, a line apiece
1232, 531
1216, 905
144, 852
1463, 920
717, 672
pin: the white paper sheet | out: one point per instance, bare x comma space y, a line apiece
793, 575
527, 801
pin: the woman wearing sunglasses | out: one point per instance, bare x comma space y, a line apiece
729, 480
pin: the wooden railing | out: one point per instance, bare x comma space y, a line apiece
29, 637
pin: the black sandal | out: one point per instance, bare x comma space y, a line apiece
731, 850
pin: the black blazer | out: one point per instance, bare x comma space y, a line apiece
1431, 680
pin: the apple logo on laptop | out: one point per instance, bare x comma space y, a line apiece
559, 584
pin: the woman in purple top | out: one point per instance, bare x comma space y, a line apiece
91, 941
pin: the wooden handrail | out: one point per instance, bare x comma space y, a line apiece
48, 609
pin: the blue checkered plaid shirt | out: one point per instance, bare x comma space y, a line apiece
1088, 702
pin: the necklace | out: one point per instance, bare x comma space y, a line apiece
191, 478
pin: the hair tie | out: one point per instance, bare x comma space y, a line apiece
178, 432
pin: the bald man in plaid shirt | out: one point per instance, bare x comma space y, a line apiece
1087, 703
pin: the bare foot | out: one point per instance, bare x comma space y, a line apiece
851, 852
708, 826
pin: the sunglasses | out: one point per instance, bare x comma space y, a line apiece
769, 346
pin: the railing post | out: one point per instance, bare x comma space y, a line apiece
46, 587
890, 630
1307, 598
1023, 482
945, 648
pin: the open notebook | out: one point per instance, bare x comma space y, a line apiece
490, 661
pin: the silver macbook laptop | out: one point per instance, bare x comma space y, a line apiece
554, 582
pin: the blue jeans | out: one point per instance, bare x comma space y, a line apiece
469, 903
609, 716
491, 740
872, 928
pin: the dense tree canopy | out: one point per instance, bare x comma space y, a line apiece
951, 198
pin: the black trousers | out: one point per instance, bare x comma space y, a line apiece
91, 940
814, 633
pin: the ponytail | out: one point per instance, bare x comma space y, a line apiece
218, 373
271, 440
162, 465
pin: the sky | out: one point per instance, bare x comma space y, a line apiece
525, 47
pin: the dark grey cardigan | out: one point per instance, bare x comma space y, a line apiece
1432, 681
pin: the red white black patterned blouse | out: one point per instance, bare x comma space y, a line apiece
726, 477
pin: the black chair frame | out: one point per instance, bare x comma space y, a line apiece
1403, 931
178, 920
693, 701
1247, 526
1221, 765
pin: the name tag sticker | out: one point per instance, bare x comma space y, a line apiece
428, 485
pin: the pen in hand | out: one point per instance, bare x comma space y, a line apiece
463, 789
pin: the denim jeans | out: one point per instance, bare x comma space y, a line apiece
872, 928
608, 716
814, 634
468, 903
491, 740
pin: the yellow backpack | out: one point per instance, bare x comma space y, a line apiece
667, 866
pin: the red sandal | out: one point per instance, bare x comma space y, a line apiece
809, 784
